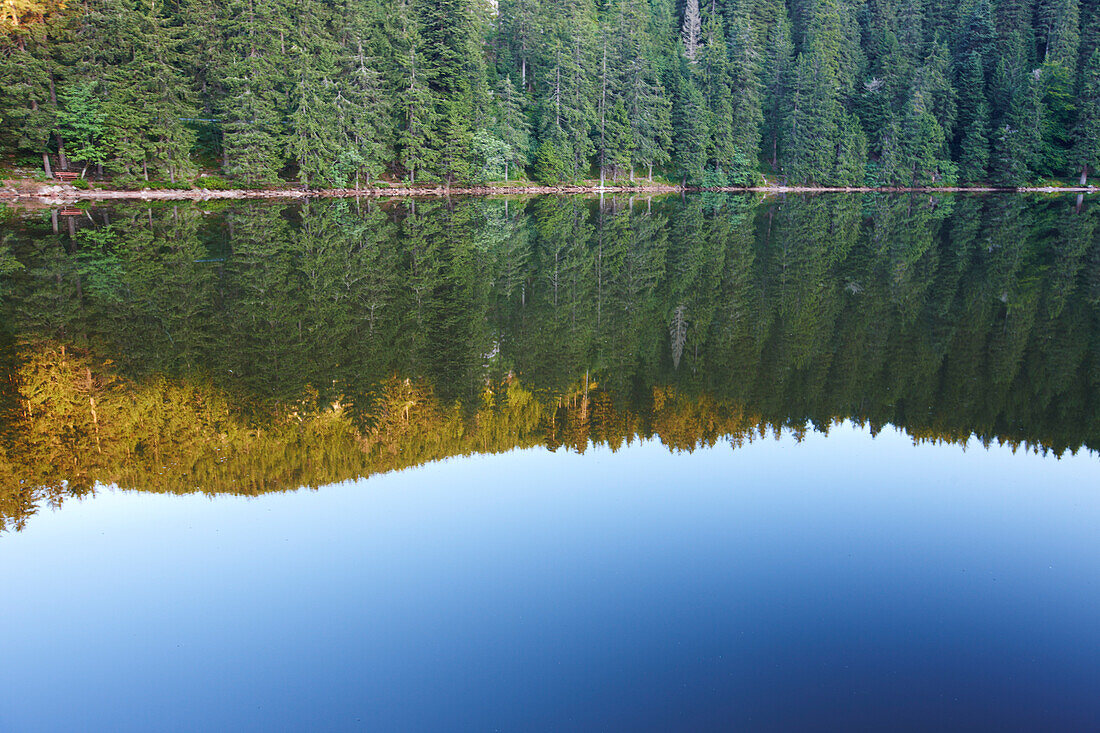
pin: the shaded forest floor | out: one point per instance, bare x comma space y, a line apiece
28, 191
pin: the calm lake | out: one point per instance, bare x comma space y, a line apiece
718, 462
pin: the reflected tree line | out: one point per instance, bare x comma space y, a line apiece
254, 347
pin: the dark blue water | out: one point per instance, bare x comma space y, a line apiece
838, 583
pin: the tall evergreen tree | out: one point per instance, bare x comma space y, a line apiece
1087, 134
689, 130
513, 127
254, 109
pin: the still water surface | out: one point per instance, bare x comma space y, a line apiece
821, 464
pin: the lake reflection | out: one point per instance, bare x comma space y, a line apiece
940, 575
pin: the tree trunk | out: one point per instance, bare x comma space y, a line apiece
62, 160
651, 173
46, 164
145, 170
1085, 174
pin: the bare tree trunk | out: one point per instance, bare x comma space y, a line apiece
603, 113
1085, 174
46, 164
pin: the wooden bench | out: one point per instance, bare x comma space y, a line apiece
66, 176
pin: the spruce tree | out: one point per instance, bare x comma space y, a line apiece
512, 127
1086, 151
972, 130
713, 67
618, 140
366, 113
415, 107
318, 140
922, 143
748, 114
253, 111
451, 31
689, 130
777, 75
84, 125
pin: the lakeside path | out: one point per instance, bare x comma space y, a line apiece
33, 192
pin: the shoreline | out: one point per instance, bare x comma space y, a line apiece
59, 193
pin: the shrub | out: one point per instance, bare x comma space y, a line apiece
167, 185
215, 183
81, 183
714, 178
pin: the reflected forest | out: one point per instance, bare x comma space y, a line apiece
252, 347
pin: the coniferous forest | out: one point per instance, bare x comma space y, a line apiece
339, 93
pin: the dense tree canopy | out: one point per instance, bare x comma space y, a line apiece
342, 92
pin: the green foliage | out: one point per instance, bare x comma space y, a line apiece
340, 94
215, 183
550, 166
166, 185
690, 131
1086, 151
492, 156
512, 128
9, 265
83, 124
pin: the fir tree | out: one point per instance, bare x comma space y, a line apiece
512, 127
748, 115
1086, 149
689, 130
254, 108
